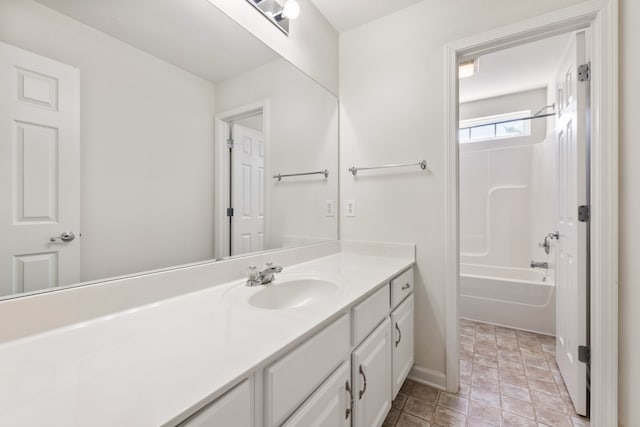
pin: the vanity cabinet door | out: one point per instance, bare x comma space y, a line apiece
371, 374
330, 405
402, 346
235, 408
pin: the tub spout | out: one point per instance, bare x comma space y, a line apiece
536, 264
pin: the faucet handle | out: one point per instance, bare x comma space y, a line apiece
252, 272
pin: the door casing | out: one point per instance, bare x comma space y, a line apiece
601, 17
222, 227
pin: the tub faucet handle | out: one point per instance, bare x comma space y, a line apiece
536, 264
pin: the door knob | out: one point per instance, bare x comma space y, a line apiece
66, 236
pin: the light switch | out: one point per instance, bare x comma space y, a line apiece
329, 208
351, 208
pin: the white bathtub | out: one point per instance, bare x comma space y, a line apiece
514, 297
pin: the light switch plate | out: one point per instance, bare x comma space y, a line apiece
329, 208
351, 208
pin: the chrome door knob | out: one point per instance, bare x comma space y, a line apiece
66, 236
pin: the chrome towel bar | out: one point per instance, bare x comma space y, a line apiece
422, 163
280, 176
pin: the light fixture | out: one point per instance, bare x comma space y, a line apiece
291, 9
468, 68
277, 12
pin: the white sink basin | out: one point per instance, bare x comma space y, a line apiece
293, 293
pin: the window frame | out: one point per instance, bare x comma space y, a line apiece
488, 120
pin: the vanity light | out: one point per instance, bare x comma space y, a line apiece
467, 68
291, 9
277, 12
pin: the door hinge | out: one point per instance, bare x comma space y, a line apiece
584, 213
584, 354
230, 143
229, 211
584, 72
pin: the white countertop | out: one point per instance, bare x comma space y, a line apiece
145, 366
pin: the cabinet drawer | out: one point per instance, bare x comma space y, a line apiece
369, 313
401, 286
289, 381
235, 408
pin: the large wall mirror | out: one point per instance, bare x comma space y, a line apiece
142, 135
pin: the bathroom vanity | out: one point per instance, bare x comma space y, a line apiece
348, 372
331, 339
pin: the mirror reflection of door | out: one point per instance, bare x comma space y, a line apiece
247, 186
39, 172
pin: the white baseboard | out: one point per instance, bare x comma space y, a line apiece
430, 377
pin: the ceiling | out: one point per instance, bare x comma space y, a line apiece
191, 34
345, 15
517, 69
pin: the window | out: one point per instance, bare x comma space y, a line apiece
488, 128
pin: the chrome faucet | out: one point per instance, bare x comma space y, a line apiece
546, 244
263, 277
536, 264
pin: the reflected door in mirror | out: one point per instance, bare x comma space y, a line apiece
40, 172
247, 222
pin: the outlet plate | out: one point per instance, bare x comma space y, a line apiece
329, 208
351, 208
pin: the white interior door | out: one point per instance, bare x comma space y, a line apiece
571, 261
39, 171
247, 223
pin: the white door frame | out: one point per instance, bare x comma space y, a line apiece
601, 16
221, 174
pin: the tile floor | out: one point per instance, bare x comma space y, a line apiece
507, 378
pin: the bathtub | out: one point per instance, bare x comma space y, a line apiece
514, 297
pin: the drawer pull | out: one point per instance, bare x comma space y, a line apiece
364, 378
399, 335
405, 287
350, 408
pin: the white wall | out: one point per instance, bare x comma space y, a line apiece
146, 145
497, 207
302, 136
312, 44
544, 185
392, 98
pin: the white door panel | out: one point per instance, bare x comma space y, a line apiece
39, 171
371, 366
329, 406
402, 334
571, 280
247, 224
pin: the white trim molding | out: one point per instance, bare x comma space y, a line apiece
430, 377
601, 17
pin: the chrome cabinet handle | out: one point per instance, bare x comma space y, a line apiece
67, 236
405, 287
399, 335
364, 377
350, 408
